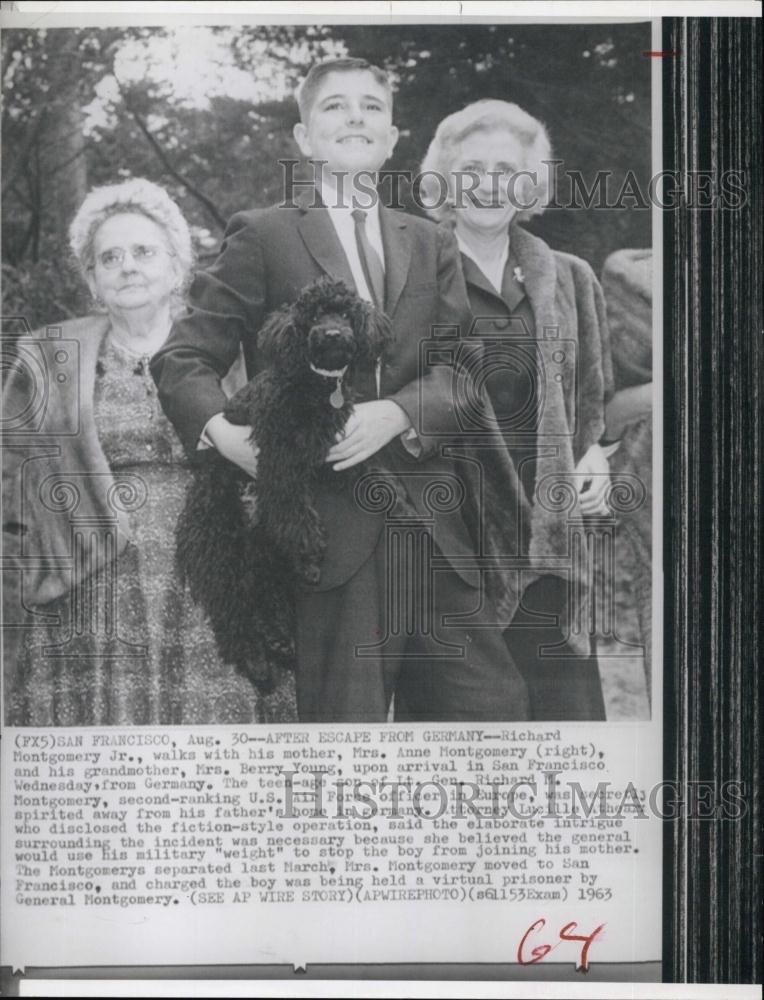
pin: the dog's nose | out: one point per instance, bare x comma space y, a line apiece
332, 332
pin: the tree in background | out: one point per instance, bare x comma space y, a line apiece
47, 77
208, 112
589, 84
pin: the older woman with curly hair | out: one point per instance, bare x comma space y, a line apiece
547, 371
92, 496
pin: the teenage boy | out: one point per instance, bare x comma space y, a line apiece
409, 268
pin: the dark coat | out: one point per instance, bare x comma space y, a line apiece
62, 515
54, 465
573, 344
268, 257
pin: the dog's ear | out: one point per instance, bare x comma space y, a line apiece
374, 331
277, 337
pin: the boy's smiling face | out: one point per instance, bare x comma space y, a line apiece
350, 124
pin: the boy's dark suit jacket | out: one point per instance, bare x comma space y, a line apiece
267, 258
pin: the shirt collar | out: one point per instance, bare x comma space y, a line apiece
328, 192
497, 271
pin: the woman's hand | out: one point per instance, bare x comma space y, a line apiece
370, 427
594, 482
232, 441
627, 406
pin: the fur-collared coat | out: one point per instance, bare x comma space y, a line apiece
53, 464
55, 472
573, 344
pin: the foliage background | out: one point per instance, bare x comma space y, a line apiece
207, 112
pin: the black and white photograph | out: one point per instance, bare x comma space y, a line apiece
431, 498
379, 523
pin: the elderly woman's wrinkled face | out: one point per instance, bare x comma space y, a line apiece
485, 183
133, 266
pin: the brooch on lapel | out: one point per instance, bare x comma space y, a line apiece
519, 276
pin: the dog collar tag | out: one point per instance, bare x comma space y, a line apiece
337, 399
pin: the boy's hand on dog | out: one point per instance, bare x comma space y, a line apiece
370, 427
233, 443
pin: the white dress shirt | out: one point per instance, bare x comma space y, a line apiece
494, 269
340, 212
340, 208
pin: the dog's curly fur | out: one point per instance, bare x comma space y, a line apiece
242, 544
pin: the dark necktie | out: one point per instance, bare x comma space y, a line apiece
373, 270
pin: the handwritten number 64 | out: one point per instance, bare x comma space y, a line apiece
540, 951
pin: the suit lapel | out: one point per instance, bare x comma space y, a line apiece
320, 238
534, 260
474, 276
397, 243
322, 242
539, 271
512, 290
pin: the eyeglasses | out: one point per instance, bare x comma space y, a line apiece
141, 253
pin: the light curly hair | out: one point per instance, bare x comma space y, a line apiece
142, 197
486, 116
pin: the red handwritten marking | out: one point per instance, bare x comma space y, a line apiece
539, 952
587, 939
661, 55
542, 950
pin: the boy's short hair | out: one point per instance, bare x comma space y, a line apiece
307, 90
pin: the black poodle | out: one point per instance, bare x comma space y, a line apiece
244, 543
